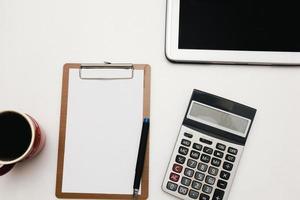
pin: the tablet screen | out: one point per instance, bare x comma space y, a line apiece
254, 25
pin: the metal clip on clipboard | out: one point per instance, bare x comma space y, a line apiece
106, 71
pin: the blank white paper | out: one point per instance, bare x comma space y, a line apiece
104, 122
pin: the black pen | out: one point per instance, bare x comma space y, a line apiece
141, 157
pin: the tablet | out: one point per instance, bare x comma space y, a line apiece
232, 31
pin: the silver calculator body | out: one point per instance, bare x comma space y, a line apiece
208, 148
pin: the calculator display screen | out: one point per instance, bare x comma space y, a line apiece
219, 118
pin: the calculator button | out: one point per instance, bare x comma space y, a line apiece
193, 194
177, 168
224, 175
218, 194
207, 189
213, 171
227, 166
186, 142
183, 150
196, 185
204, 197
191, 163
230, 158
216, 162
210, 180
195, 154
221, 184
202, 167
188, 172
232, 150
174, 177
221, 147
197, 146
182, 190
205, 158
185, 181
218, 154
180, 159
205, 141
188, 135
207, 150
171, 186
199, 176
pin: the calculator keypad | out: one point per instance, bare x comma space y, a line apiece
207, 189
193, 194
204, 197
210, 180
186, 142
174, 177
177, 168
232, 150
222, 184
228, 166
216, 162
183, 190
218, 154
172, 186
188, 172
230, 158
199, 176
186, 181
225, 175
218, 194
205, 158
197, 146
183, 150
188, 135
196, 185
213, 171
180, 159
195, 154
192, 163
201, 168
221, 147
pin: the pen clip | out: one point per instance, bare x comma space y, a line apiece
106, 71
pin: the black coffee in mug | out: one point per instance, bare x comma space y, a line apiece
15, 135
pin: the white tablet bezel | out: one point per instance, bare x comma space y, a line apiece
173, 53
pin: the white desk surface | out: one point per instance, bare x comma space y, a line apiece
37, 37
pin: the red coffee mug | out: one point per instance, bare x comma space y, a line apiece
20, 139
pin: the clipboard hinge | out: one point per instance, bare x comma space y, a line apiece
106, 71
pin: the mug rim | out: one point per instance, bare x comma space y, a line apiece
32, 127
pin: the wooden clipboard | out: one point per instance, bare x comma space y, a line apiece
63, 126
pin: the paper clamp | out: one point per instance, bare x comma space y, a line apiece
106, 71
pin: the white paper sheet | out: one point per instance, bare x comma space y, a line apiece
104, 122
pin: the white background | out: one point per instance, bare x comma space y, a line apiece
37, 37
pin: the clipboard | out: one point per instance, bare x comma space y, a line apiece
85, 90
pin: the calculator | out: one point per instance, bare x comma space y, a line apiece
208, 148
